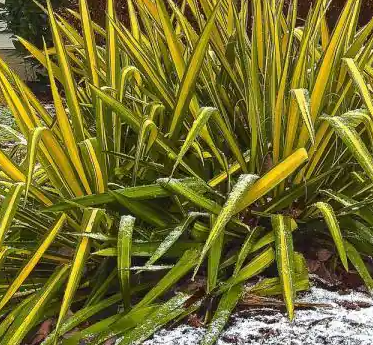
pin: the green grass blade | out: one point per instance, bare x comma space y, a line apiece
213, 261
82, 315
246, 249
274, 177
172, 237
141, 210
198, 125
358, 78
67, 77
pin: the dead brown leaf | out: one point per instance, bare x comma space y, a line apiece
43, 331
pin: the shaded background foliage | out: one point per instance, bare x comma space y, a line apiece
24, 18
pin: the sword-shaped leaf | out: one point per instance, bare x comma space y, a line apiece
172, 237
8, 209
246, 249
32, 147
67, 77
359, 264
227, 212
226, 305
160, 317
12, 315
333, 225
213, 261
30, 265
187, 87
198, 125
275, 176
147, 249
83, 315
303, 101
124, 256
358, 78
30, 315
141, 209
353, 142
182, 267
254, 267
285, 259
65, 126
91, 220
116, 324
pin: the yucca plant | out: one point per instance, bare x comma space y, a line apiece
183, 148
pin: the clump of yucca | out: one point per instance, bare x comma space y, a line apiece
182, 147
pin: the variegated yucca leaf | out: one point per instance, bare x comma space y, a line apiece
285, 259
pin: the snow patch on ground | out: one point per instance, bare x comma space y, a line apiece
335, 326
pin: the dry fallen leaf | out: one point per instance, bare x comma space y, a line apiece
44, 330
323, 255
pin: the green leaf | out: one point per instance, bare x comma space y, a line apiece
29, 316
285, 259
182, 267
353, 142
360, 83
187, 87
229, 209
172, 237
333, 225
117, 324
302, 98
35, 137
246, 249
358, 263
8, 209
226, 305
214, 257
91, 220
254, 267
30, 265
198, 124
160, 317
141, 210
275, 176
126, 226
82, 315
67, 77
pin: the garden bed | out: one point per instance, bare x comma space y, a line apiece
344, 319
